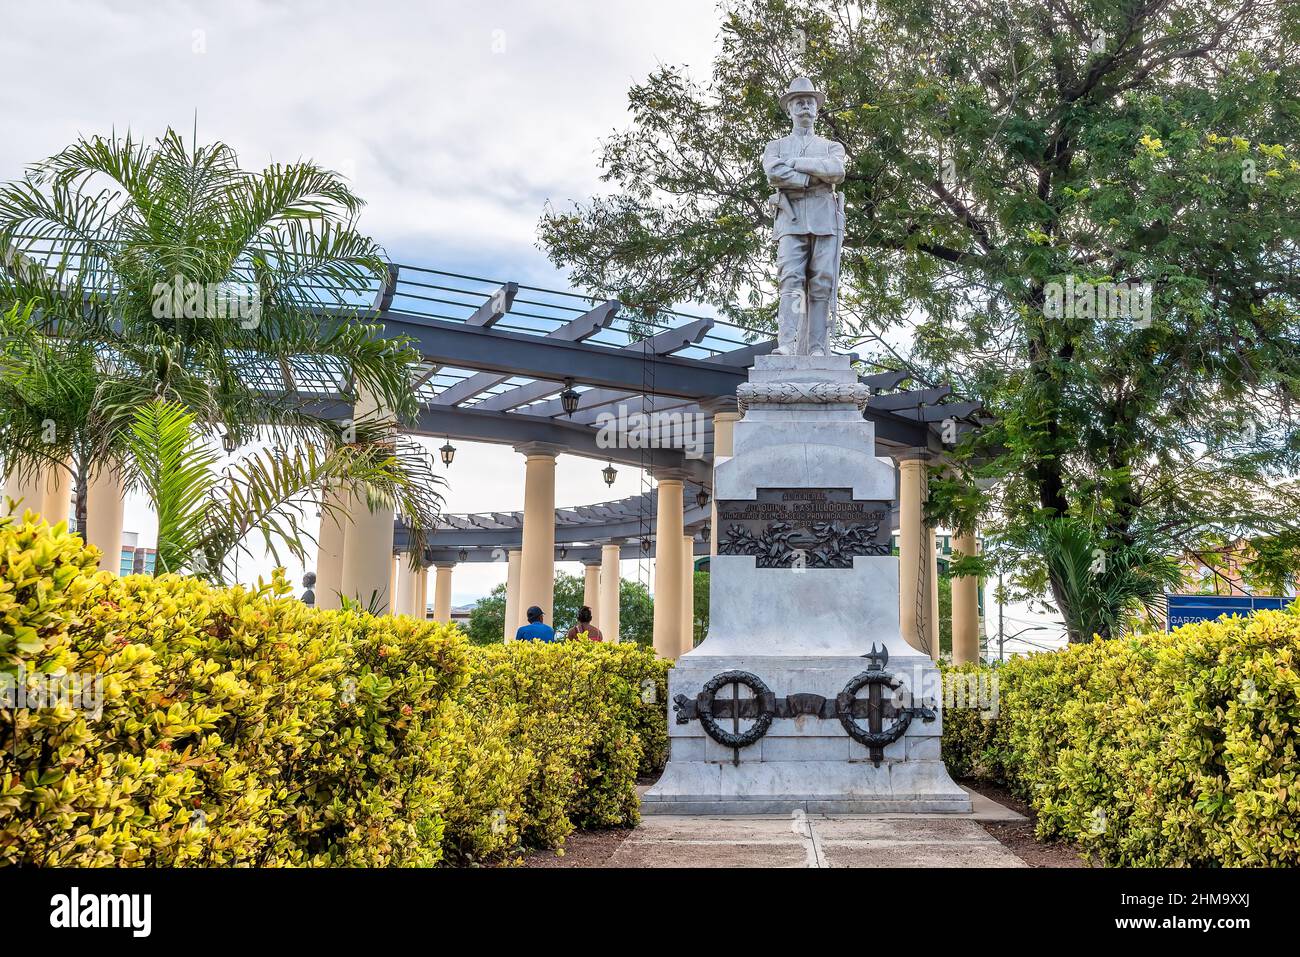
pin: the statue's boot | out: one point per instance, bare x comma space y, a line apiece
819, 311
787, 329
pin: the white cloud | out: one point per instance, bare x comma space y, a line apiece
456, 121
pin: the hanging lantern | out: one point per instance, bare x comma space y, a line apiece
229, 442
609, 473
569, 398
706, 532
563, 553
702, 497
645, 544
462, 554
448, 452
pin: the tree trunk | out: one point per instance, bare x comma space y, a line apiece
81, 487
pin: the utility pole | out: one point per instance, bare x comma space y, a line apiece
1002, 636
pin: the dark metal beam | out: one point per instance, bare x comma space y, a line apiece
630, 528
628, 552
510, 428
542, 357
908, 400
575, 330
663, 343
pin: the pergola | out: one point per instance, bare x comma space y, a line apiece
542, 371
552, 372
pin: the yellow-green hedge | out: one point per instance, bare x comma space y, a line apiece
241, 728
1156, 750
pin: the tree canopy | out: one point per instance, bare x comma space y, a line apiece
1082, 213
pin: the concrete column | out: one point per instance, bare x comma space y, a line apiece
329, 551
965, 606
58, 495
537, 565
688, 593
421, 610
417, 602
724, 422
105, 496
403, 584
514, 614
591, 589
609, 591
915, 565
668, 566
26, 489
368, 545
442, 592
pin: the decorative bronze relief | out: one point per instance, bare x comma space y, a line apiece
764, 706
803, 527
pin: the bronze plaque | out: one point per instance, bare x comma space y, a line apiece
803, 527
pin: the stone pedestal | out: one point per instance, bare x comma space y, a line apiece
804, 598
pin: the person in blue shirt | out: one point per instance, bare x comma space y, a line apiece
536, 629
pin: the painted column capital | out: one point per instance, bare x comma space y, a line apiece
720, 405
915, 454
670, 475
539, 449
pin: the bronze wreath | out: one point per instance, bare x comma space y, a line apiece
844, 710
762, 695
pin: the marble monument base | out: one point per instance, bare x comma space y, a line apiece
803, 592
807, 761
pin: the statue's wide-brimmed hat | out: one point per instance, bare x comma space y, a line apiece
802, 86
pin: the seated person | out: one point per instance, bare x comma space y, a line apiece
536, 629
584, 625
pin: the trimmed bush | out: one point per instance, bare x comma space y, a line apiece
1154, 750
575, 722
239, 728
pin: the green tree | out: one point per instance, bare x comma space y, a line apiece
178, 275
701, 612
636, 613
1101, 586
1001, 154
944, 585
48, 410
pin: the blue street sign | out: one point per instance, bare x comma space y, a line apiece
1188, 608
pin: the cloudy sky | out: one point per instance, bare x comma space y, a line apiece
457, 122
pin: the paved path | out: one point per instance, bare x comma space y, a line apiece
820, 840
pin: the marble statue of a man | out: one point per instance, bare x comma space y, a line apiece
809, 228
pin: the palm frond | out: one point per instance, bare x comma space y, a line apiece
176, 472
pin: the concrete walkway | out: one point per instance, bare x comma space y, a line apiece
820, 840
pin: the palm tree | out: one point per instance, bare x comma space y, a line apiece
204, 517
47, 415
1100, 585
171, 273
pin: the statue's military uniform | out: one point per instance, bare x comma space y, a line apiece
808, 229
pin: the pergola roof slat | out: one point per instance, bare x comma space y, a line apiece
575, 330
